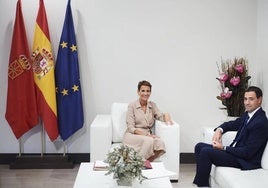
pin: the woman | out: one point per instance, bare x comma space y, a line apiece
141, 116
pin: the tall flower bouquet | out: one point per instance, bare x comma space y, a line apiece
233, 79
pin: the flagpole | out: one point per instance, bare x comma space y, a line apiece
64, 148
20, 147
42, 140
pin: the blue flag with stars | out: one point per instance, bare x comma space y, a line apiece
68, 88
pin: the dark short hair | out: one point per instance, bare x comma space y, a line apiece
144, 83
255, 89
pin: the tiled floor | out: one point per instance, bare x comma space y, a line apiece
64, 178
187, 172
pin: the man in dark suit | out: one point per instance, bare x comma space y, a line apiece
246, 150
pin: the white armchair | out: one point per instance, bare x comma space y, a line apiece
106, 131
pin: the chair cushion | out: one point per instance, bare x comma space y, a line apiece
236, 178
118, 113
264, 160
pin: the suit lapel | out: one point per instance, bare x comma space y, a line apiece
242, 129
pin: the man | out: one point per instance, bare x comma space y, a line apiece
245, 152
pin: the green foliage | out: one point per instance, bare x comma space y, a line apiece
125, 162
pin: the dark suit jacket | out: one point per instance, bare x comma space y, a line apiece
252, 141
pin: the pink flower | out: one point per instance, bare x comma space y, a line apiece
239, 68
235, 80
226, 93
223, 77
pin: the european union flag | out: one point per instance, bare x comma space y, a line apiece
68, 88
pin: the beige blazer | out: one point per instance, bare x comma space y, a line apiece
137, 119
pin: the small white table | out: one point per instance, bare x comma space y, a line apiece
88, 178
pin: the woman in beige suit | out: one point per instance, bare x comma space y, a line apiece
141, 116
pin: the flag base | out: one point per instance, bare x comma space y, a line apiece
42, 162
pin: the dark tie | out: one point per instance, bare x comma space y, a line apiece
241, 132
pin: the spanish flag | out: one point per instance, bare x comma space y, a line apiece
43, 68
21, 109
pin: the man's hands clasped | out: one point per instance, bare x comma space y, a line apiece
217, 139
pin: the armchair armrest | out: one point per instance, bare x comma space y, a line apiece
100, 137
227, 138
170, 134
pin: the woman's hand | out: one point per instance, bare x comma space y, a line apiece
138, 132
152, 135
167, 119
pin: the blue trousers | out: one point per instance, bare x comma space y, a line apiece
205, 156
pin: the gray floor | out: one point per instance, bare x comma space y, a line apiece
64, 178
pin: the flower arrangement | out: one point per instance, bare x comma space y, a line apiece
125, 164
233, 78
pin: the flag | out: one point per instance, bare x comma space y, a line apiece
21, 109
43, 68
69, 96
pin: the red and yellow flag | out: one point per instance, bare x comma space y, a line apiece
21, 109
43, 67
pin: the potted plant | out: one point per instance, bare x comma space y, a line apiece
125, 164
233, 79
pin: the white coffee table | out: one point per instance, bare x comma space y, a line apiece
88, 178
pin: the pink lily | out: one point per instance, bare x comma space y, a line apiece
226, 93
235, 80
239, 68
223, 77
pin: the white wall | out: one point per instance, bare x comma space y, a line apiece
262, 47
172, 43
